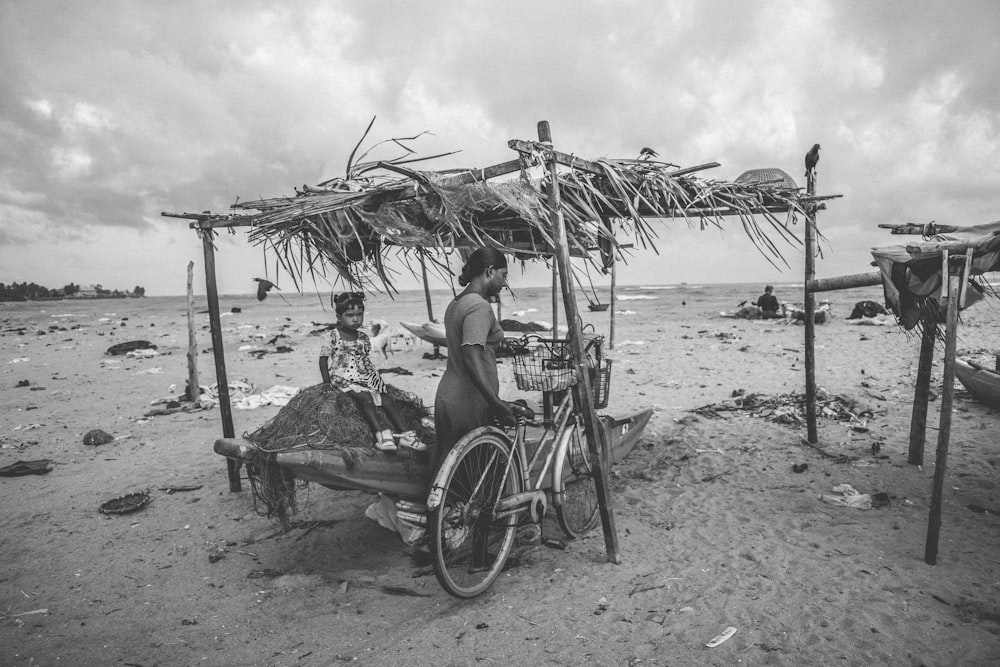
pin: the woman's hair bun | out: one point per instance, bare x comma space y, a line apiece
479, 261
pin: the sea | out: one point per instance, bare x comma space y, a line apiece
525, 304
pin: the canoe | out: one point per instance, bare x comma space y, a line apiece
432, 332
406, 474
981, 382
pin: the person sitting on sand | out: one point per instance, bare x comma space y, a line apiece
768, 303
345, 363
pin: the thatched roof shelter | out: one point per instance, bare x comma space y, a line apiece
350, 225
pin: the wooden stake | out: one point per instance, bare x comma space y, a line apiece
194, 391
581, 390
921, 394
214, 319
810, 308
954, 283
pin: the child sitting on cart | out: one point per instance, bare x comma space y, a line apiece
345, 363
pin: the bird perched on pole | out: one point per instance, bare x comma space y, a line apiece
812, 158
263, 287
647, 153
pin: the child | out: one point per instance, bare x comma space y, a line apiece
344, 363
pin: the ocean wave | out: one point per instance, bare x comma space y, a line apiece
634, 297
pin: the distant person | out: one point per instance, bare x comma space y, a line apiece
768, 304
345, 363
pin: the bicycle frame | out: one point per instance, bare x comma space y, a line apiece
553, 444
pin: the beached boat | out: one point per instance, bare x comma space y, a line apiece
981, 382
405, 476
432, 332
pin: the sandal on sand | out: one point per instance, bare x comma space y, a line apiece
409, 441
385, 442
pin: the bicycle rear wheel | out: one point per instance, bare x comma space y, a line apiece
470, 544
577, 513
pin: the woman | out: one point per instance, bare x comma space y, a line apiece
468, 395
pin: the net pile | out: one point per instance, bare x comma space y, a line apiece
321, 418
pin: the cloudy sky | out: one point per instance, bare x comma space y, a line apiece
113, 112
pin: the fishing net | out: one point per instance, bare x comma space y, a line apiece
321, 418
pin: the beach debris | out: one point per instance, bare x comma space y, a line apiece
23, 383
789, 409
129, 346
719, 639
397, 370
97, 437
848, 496
800, 467
126, 504
178, 489
235, 309
18, 360
20, 468
880, 500
404, 592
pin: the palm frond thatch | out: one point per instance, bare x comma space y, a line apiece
349, 226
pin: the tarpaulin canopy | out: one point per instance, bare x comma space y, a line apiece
912, 274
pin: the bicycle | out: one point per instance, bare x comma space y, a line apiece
488, 485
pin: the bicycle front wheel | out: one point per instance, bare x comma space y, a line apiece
470, 543
577, 512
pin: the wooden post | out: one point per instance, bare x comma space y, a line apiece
954, 283
427, 297
810, 308
220, 355
921, 394
194, 390
611, 333
581, 390
555, 298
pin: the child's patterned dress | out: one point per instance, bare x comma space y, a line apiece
351, 367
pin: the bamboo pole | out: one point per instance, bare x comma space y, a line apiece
581, 390
921, 394
193, 389
810, 308
954, 283
214, 319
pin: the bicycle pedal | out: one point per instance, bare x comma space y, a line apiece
553, 543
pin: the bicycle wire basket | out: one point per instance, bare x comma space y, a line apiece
542, 364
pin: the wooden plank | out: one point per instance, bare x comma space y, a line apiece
930, 229
565, 159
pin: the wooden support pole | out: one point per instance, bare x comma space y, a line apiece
214, 320
427, 297
954, 283
581, 390
810, 308
614, 271
845, 282
921, 394
193, 388
555, 298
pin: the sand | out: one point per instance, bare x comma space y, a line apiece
715, 529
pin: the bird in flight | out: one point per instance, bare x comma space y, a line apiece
812, 158
647, 153
263, 287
